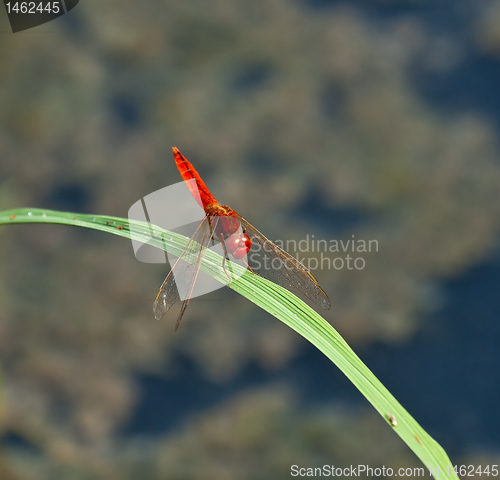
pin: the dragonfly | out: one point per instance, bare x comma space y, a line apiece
237, 237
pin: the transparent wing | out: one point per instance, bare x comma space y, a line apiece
273, 263
182, 277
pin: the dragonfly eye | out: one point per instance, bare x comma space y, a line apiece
238, 245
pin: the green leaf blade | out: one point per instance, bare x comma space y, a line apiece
276, 300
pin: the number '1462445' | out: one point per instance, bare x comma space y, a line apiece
472, 471
33, 7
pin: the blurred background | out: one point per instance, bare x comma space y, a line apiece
373, 118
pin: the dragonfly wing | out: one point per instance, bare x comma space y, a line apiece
182, 277
167, 295
273, 263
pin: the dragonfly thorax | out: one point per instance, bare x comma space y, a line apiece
227, 229
224, 219
218, 210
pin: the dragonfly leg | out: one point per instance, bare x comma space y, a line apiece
224, 257
248, 266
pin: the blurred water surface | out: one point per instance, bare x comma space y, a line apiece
372, 118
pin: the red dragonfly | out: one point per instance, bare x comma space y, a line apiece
223, 224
